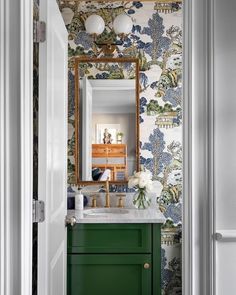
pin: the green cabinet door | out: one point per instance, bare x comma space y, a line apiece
109, 274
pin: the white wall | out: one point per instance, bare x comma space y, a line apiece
225, 141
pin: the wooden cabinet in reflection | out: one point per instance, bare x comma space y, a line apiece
112, 157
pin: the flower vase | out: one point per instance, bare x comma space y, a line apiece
141, 200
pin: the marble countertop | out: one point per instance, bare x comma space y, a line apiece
126, 215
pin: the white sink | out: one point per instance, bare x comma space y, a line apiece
105, 212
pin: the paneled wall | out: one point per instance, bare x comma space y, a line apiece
156, 40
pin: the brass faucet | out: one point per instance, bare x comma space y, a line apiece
107, 205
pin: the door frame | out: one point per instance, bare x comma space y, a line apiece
26, 145
198, 183
16, 134
16, 64
198, 159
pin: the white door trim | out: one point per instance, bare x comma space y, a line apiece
198, 192
198, 250
15, 146
2, 150
26, 145
211, 154
187, 151
10, 147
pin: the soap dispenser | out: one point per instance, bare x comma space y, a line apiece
79, 201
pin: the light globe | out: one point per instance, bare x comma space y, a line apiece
122, 24
67, 15
94, 24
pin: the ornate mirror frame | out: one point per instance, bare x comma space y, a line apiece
79, 60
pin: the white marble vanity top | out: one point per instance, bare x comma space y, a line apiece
115, 215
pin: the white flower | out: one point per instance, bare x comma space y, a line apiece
137, 174
142, 182
142, 179
148, 174
149, 186
133, 181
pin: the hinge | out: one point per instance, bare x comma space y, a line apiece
38, 211
39, 31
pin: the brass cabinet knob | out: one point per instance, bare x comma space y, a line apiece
146, 265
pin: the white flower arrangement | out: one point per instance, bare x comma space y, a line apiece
141, 180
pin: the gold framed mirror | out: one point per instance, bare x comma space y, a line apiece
106, 119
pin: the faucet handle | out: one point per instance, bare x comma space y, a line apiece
94, 201
121, 200
107, 184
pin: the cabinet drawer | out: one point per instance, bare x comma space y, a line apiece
101, 274
100, 152
110, 238
109, 150
116, 152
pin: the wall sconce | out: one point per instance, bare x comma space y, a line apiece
95, 25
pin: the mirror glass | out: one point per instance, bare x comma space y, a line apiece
107, 129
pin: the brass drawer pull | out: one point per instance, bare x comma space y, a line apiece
146, 265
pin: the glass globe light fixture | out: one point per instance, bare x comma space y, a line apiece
94, 24
67, 15
122, 24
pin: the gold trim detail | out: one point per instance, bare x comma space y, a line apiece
82, 59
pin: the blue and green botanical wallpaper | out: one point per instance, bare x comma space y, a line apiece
156, 39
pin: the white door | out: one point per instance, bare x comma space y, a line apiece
87, 94
225, 145
52, 181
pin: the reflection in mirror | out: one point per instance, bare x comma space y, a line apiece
107, 129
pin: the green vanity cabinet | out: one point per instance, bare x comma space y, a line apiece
114, 259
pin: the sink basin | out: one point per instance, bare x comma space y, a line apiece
105, 212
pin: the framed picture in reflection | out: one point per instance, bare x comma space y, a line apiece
107, 133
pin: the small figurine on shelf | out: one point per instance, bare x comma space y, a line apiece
120, 137
107, 137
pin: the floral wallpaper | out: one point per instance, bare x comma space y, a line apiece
109, 70
156, 39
